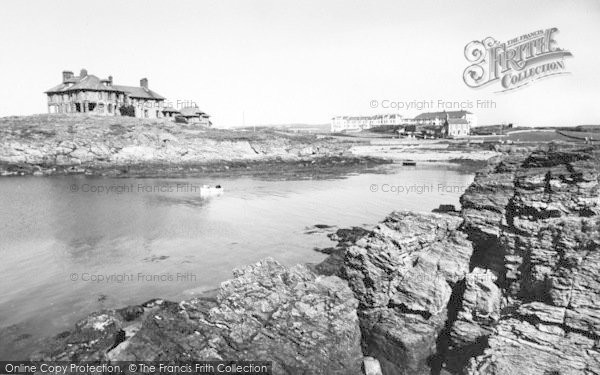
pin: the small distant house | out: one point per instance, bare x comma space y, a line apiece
87, 93
193, 115
456, 127
170, 112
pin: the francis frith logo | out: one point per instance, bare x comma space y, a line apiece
515, 63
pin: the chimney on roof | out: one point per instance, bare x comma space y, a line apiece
83, 73
67, 75
144, 83
110, 80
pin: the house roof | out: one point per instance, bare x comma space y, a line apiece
88, 83
457, 121
139, 92
441, 115
170, 109
92, 83
192, 112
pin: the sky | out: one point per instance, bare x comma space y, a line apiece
278, 61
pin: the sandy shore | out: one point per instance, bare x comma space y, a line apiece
422, 150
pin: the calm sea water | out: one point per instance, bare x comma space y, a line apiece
67, 250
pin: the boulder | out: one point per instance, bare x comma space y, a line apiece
402, 274
302, 322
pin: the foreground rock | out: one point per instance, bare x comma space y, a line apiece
534, 221
508, 287
305, 324
403, 273
478, 311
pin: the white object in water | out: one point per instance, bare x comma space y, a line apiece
210, 191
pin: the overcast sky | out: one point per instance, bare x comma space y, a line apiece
285, 61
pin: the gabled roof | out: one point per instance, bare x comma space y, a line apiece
88, 83
192, 112
442, 115
92, 83
139, 92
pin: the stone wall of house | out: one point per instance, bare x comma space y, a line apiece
147, 108
103, 103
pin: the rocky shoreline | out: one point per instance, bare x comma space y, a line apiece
47, 145
505, 286
125, 147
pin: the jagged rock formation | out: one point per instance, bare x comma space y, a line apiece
526, 302
345, 237
534, 222
402, 274
305, 324
478, 310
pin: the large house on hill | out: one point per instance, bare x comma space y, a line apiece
87, 93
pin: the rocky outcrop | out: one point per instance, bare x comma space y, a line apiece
403, 273
532, 341
507, 287
345, 238
47, 144
534, 222
303, 323
478, 311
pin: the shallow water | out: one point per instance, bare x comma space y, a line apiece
67, 251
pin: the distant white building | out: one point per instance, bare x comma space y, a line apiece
457, 127
438, 118
358, 123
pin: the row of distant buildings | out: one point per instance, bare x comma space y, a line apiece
451, 124
86, 93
